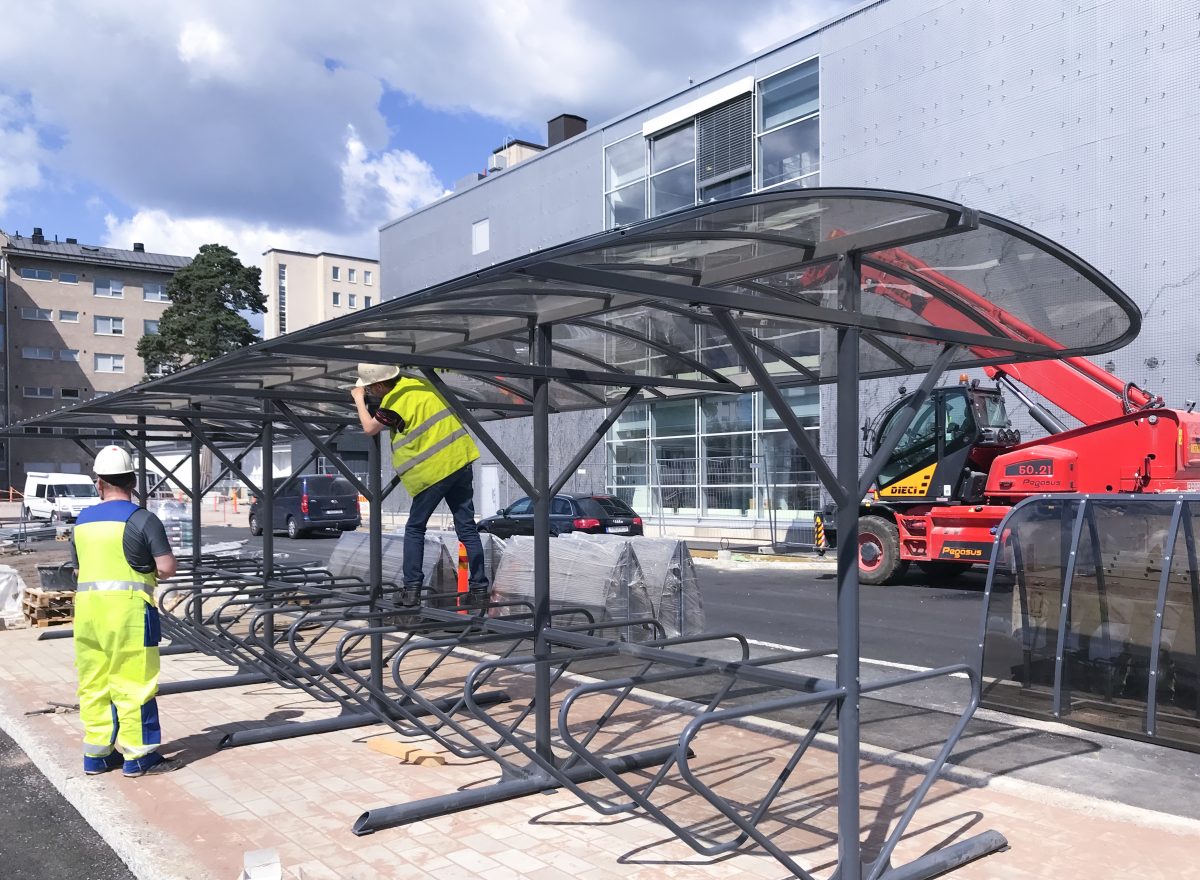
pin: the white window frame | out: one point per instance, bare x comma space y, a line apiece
116, 325
65, 320
481, 236
366, 302
35, 353
37, 389
117, 362
644, 179
36, 274
335, 273
368, 277
75, 393
69, 355
161, 296
651, 174
351, 301
352, 275
33, 313
811, 178
337, 299
146, 322
114, 292
74, 275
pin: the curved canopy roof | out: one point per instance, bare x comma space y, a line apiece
649, 306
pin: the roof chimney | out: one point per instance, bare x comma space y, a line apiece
139, 248
38, 238
564, 127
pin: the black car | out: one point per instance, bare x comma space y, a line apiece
588, 512
310, 501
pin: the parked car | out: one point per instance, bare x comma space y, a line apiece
58, 497
587, 512
307, 502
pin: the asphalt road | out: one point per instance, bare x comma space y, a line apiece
43, 836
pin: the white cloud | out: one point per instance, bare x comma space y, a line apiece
20, 152
206, 50
378, 188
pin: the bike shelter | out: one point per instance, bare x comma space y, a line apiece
710, 300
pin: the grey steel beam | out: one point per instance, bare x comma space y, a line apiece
216, 450
597, 435
311, 436
540, 347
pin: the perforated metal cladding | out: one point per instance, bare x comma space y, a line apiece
725, 140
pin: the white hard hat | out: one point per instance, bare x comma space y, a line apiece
111, 461
369, 374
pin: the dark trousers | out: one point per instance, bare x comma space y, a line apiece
458, 490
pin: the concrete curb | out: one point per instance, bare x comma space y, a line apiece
148, 856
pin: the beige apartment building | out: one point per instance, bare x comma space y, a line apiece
73, 315
305, 289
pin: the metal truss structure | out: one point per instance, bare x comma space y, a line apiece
706, 301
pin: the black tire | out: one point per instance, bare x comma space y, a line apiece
884, 537
255, 528
943, 570
293, 530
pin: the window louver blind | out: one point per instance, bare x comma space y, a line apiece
725, 140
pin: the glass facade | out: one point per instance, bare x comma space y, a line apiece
717, 457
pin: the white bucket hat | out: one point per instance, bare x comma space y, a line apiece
369, 374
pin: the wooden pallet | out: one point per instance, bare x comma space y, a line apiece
42, 608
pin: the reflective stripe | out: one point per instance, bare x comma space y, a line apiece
106, 586
425, 454
92, 750
421, 428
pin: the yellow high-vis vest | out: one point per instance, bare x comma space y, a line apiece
434, 444
102, 563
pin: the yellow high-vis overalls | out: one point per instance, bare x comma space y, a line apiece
116, 638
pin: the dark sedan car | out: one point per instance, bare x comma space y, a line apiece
588, 512
311, 501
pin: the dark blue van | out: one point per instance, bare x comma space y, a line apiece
308, 502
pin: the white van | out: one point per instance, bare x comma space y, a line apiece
58, 497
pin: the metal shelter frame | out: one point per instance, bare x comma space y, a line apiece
703, 301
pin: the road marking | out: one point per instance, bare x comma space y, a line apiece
889, 664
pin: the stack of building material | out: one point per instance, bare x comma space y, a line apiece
602, 577
670, 577
439, 565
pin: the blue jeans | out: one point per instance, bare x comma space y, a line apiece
458, 490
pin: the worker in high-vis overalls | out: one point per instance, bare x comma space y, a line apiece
121, 550
433, 454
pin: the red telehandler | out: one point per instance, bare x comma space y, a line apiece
960, 465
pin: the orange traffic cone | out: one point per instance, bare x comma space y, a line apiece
463, 570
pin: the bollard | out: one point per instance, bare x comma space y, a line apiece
819, 534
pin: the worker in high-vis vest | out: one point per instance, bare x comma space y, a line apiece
121, 550
432, 453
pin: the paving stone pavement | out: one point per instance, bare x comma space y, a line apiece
300, 796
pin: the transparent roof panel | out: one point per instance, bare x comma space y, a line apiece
646, 306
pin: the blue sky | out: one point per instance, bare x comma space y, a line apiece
304, 124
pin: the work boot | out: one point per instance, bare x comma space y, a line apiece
94, 766
153, 764
474, 599
410, 596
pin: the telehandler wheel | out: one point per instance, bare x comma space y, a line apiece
879, 551
943, 570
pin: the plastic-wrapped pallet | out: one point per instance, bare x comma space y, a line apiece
670, 577
493, 549
603, 578
351, 557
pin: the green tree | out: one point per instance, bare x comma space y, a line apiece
203, 319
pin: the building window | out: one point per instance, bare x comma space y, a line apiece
352, 275
366, 302
69, 393
282, 299
725, 150
68, 278
68, 317
337, 299
367, 277
38, 274
789, 143
336, 273
625, 181
673, 170
106, 326
481, 236
37, 353
30, 314
109, 287
110, 363
68, 354
153, 291
38, 391
149, 328
353, 298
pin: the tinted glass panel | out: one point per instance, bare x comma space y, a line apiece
612, 506
521, 508
560, 507
324, 487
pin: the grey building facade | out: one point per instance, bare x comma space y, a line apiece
1076, 119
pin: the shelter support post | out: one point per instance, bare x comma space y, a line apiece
375, 569
267, 513
197, 598
540, 347
142, 487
